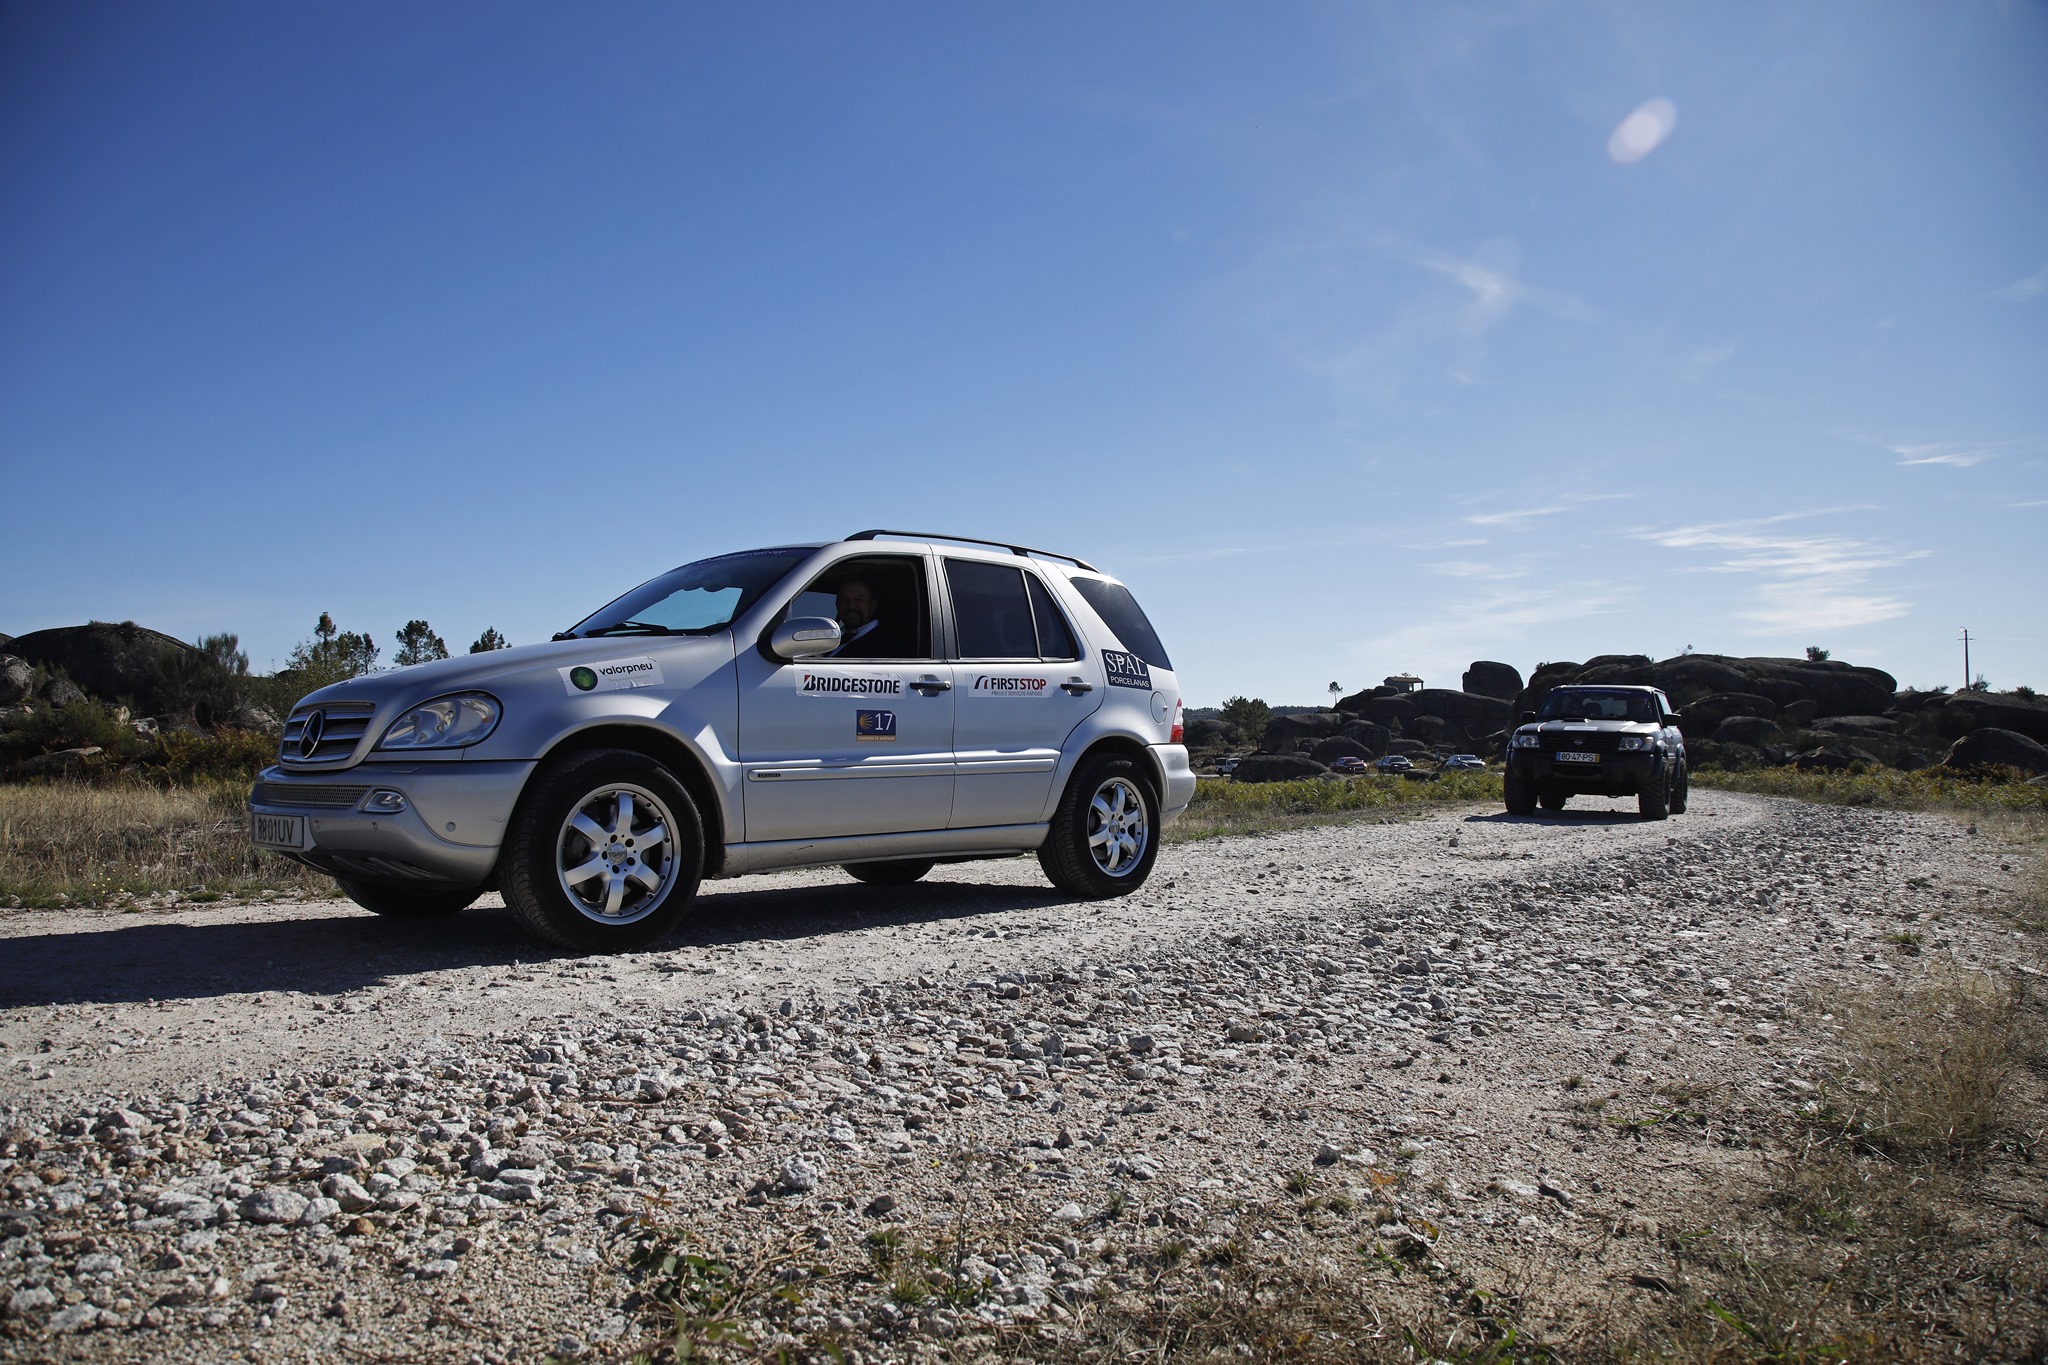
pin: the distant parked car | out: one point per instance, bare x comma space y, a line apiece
1464, 763
1395, 763
1349, 763
1227, 766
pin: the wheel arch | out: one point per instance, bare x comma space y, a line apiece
666, 749
1126, 747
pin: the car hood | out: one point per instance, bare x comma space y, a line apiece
1592, 727
502, 668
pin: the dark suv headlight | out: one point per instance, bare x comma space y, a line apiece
444, 723
1633, 743
1530, 741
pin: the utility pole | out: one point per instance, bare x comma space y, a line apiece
1966, 658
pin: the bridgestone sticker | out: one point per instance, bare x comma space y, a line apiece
821, 684
1126, 670
612, 675
1008, 685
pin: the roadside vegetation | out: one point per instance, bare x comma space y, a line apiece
1925, 789
131, 843
1224, 807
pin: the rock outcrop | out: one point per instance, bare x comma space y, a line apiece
124, 662
1489, 679
1277, 768
1994, 748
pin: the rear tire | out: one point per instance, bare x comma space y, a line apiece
1553, 800
1682, 791
1655, 800
901, 872
1104, 837
605, 853
408, 902
1521, 797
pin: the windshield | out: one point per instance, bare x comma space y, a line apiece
1573, 704
697, 598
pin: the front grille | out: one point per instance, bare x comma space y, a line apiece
315, 797
1590, 741
341, 729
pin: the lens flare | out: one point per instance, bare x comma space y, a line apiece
1636, 136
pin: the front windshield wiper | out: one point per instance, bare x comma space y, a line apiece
632, 628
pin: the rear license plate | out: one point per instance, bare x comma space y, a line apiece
1573, 756
278, 831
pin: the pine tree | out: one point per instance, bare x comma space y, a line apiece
489, 641
417, 644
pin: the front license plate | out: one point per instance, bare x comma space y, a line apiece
1573, 756
278, 831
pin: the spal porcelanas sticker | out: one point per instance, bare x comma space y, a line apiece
1126, 670
874, 725
832, 683
611, 675
1008, 685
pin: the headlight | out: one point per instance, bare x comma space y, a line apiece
1529, 741
1630, 743
444, 723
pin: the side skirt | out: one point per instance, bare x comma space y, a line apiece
942, 845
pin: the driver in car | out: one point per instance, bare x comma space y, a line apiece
865, 634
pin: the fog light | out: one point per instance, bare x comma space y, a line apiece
383, 802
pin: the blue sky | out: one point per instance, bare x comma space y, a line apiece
1357, 339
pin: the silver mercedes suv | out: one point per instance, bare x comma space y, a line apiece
887, 702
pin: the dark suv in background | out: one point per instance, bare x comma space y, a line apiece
1598, 741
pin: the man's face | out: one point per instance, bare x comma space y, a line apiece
856, 605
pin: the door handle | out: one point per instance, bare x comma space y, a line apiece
1075, 687
931, 687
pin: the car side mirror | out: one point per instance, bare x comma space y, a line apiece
1528, 718
1674, 719
804, 637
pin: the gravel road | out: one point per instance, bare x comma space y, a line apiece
260, 1131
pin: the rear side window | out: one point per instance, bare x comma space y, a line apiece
1121, 613
991, 610
1055, 636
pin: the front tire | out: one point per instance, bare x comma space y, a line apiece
1681, 791
605, 853
408, 902
1655, 801
1104, 837
900, 872
1521, 797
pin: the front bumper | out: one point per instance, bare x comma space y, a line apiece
454, 819
1177, 778
1615, 774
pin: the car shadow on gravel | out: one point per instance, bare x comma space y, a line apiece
326, 953
1560, 817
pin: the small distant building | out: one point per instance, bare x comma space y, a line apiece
1404, 682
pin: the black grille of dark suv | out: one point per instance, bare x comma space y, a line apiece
1588, 741
341, 728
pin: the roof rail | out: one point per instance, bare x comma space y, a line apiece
1024, 550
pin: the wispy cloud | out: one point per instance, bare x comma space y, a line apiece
1474, 568
1496, 618
2032, 287
1490, 275
1810, 582
1943, 452
1514, 516
2037, 502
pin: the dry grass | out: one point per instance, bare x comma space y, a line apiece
1926, 789
1932, 1070
80, 844
1224, 807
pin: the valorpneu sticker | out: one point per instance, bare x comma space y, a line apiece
611, 675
